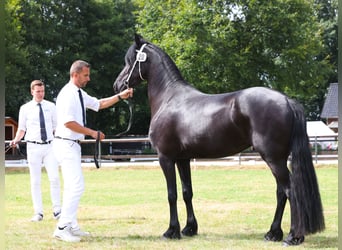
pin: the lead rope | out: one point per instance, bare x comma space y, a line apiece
97, 150
130, 121
97, 154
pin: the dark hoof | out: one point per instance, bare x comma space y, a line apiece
293, 241
189, 231
275, 235
172, 234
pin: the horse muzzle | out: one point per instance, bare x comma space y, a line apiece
119, 85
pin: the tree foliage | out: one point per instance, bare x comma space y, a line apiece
44, 38
224, 46
219, 46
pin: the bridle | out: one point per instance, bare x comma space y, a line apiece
140, 57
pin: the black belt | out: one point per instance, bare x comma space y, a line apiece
62, 138
40, 143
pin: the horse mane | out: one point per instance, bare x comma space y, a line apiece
169, 66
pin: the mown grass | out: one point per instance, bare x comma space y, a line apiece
126, 208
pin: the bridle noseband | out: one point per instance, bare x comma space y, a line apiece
140, 57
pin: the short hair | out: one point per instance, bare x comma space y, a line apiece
77, 66
36, 83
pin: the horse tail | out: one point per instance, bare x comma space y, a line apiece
305, 200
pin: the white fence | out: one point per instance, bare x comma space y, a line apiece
318, 143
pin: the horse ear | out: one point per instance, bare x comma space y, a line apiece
139, 40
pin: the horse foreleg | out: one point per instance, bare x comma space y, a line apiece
168, 167
276, 233
184, 170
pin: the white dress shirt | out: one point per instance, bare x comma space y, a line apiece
69, 109
29, 120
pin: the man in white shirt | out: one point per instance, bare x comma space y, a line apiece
71, 106
39, 147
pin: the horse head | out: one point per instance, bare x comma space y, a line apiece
135, 66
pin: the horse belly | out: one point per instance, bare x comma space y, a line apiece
198, 143
216, 146
216, 130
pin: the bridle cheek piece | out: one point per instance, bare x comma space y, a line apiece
140, 57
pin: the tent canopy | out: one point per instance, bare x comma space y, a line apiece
318, 128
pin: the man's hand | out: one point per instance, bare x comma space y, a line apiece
94, 135
13, 143
127, 93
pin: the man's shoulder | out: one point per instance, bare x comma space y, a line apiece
66, 90
49, 103
28, 104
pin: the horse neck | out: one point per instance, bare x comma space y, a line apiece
163, 78
162, 90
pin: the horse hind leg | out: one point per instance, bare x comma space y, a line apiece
281, 174
276, 233
184, 170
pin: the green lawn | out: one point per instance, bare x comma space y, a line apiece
127, 208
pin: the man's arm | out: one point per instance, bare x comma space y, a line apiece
76, 127
110, 101
18, 136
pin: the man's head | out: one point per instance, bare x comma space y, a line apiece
37, 90
80, 73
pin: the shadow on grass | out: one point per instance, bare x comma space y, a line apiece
311, 242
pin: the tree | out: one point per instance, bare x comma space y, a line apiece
224, 46
15, 56
327, 17
44, 38
219, 46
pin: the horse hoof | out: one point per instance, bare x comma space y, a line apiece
293, 241
275, 235
188, 231
169, 234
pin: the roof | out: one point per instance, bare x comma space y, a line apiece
330, 107
333, 124
10, 121
318, 128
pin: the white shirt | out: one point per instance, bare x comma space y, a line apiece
29, 120
69, 109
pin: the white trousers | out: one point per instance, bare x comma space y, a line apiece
37, 156
68, 154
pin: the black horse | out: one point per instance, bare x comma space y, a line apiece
187, 124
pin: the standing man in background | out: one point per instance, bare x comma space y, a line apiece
71, 106
37, 122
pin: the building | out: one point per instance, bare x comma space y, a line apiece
330, 107
11, 127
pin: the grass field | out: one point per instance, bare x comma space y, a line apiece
126, 208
